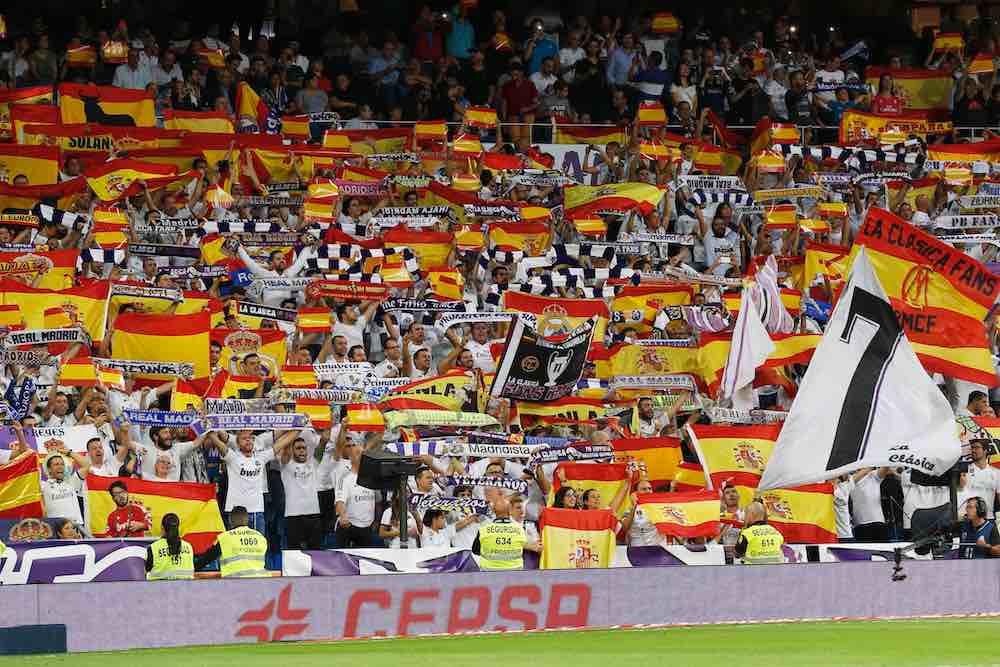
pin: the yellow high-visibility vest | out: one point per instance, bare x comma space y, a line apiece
166, 566
763, 545
243, 551
501, 545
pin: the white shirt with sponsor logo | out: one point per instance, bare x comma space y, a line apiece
246, 475
61, 498
982, 482
359, 502
150, 453
299, 480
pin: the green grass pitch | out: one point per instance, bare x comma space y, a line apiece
919, 643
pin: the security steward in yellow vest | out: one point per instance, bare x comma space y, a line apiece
169, 557
240, 550
759, 543
500, 545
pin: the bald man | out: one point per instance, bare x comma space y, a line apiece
759, 543
500, 544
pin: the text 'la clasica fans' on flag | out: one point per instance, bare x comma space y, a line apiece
195, 505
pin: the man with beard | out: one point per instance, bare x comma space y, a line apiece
129, 519
163, 444
304, 525
722, 247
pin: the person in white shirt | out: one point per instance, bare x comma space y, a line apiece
533, 539
299, 475
866, 500
842, 488
466, 523
391, 366
570, 55
435, 530
277, 267
166, 70
56, 412
830, 76
355, 505
245, 472
351, 322
101, 464
982, 479
163, 445
61, 491
545, 77
479, 344
132, 74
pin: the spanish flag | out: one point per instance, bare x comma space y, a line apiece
814, 225
169, 338
941, 296
530, 237
198, 121
481, 117
923, 88
556, 315
105, 105
593, 227
113, 180
438, 392
9, 99
614, 198
11, 317
608, 479
823, 259
78, 372
313, 320
214, 57
760, 140
300, 377
186, 395
84, 306
921, 186
469, 239
318, 412
23, 115
108, 236
658, 456
782, 216
804, 514
948, 41
568, 410
431, 248
791, 299
769, 162
20, 489
982, 63
40, 164
251, 112
654, 360
639, 304
655, 150
788, 349
269, 345
689, 477
734, 455
467, 145
599, 135
430, 130
831, 209
651, 113
576, 539
364, 417
690, 514
81, 56
57, 267
446, 284
783, 133
986, 151
665, 23
194, 504
227, 385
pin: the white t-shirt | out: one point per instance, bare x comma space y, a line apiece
411, 529
354, 333
246, 479
150, 453
481, 357
841, 512
867, 499
359, 502
985, 483
61, 498
440, 538
829, 79
463, 537
299, 480
643, 532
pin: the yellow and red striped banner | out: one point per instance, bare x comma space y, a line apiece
531, 238
166, 337
313, 320
186, 396
981, 63
81, 56
302, 377
690, 514
83, 306
665, 23
824, 259
941, 295
568, 410
599, 135
438, 392
651, 113
614, 197
948, 41
659, 456
194, 504
689, 477
430, 130
318, 411
481, 117
364, 417
608, 479
56, 267
590, 226
198, 121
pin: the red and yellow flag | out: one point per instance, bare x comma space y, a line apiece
556, 315
690, 514
214, 57
665, 23
105, 105
57, 267
600, 135
530, 237
364, 417
198, 121
431, 248
194, 504
113, 180
568, 410
446, 284
985, 151
734, 455
590, 226
186, 395
981, 63
313, 320
651, 113
831, 209
267, 345
804, 514
689, 477
83, 372
301, 377
430, 130
467, 145
251, 112
83, 306
35, 95
576, 539
20, 489
658, 456
438, 392
481, 117
115, 52
941, 296
613, 198
949, 41
921, 89
81, 56
317, 410
823, 259
167, 338
608, 479
39, 164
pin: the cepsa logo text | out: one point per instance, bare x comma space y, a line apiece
469, 609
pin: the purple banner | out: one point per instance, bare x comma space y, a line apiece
28, 530
59, 561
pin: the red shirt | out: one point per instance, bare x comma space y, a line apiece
119, 519
519, 96
887, 104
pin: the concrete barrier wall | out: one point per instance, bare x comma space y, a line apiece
122, 615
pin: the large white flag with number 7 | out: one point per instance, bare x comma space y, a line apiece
865, 401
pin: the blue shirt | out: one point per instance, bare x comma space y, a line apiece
460, 39
379, 63
545, 48
619, 63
